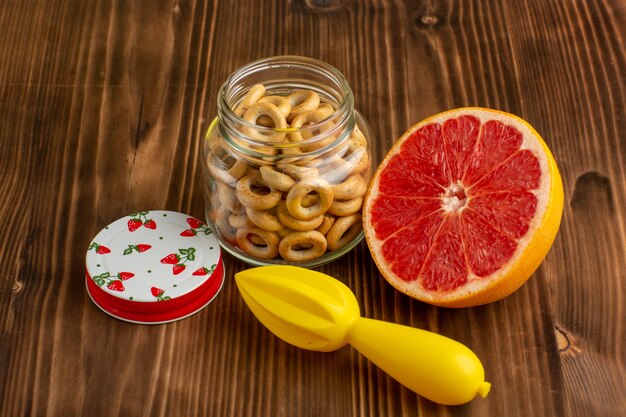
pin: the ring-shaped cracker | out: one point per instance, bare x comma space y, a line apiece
336, 168
357, 159
264, 219
346, 207
310, 199
352, 187
250, 198
301, 189
276, 179
284, 232
281, 102
239, 220
267, 251
327, 223
297, 224
311, 116
343, 231
358, 138
299, 172
254, 94
301, 101
312, 245
226, 231
269, 110
227, 198
227, 175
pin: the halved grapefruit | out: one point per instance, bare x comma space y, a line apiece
463, 208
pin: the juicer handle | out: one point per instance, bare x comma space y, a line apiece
435, 367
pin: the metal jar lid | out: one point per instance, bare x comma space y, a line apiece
154, 267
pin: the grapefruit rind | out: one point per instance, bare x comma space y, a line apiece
532, 247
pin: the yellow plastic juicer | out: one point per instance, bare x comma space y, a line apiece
314, 311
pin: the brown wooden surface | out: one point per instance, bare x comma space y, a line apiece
102, 103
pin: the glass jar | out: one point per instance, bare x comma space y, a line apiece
286, 163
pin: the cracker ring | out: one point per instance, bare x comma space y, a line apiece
281, 102
352, 187
228, 176
358, 159
252, 97
264, 219
265, 109
250, 198
313, 245
326, 107
299, 172
297, 224
358, 138
310, 199
267, 251
301, 101
227, 198
346, 207
327, 223
337, 169
304, 187
296, 154
284, 232
276, 179
343, 231
225, 229
311, 116
239, 220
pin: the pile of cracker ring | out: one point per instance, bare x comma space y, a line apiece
296, 209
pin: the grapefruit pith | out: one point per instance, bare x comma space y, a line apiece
463, 208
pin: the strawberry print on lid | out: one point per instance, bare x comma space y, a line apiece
147, 252
140, 219
100, 249
113, 282
196, 226
159, 294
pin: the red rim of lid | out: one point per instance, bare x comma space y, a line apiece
158, 311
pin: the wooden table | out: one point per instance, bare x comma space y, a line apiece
102, 105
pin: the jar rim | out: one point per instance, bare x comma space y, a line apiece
345, 106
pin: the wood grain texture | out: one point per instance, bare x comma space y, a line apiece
102, 104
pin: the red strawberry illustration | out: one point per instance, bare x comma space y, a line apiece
116, 286
103, 250
134, 224
125, 275
156, 291
150, 224
194, 223
200, 272
171, 259
188, 233
143, 247
179, 260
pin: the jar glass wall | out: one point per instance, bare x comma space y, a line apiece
286, 163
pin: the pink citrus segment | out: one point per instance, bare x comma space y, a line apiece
402, 178
486, 248
509, 213
464, 207
459, 136
497, 142
520, 172
417, 236
445, 267
393, 213
424, 153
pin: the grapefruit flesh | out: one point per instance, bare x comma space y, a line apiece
464, 207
